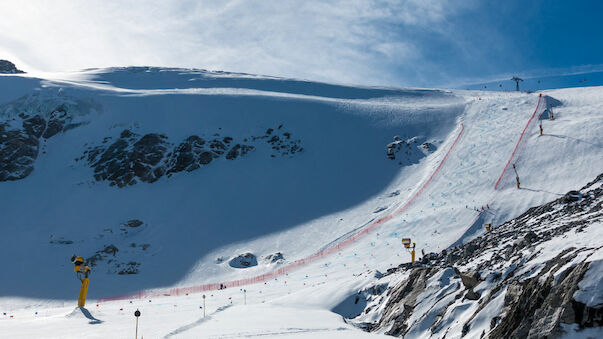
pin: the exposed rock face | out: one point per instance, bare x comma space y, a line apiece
29, 122
26, 124
131, 267
499, 284
132, 158
8, 67
190, 155
129, 159
274, 258
280, 142
18, 152
408, 151
134, 223
405, 297
119, 254
243, 261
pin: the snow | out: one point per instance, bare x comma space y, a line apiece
590, 290
296, 206
572, 331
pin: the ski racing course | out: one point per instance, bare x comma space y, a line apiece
443, 200
342, 243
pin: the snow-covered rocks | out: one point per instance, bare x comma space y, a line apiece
26, 124
274, 258
244, 260
7, 67
410, 150
133, 158
531, 277
18, 152
19, 146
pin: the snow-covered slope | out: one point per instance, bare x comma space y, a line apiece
539, 83
535, 276
189, 214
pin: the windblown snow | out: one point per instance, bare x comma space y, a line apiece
172, 178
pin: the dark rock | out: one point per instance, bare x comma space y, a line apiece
234, 152
217, 146
571, 196
205, 158
276, 257
465, 329
494, 321
400, 305
131, 268
133, 223
110, 249
531, 237
243, 261
18, 152
8, 67
187, 156
57, 119
125, 134
34, 126
428, 147
469, 279
126, 160
472, 295
470, 248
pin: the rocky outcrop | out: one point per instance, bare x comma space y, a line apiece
409, 151
131, 158
274, 258
30, 121
518, 281
134, 223
404, 297
7, 67
244, 260
18, 152
537, 309
281, 142
134, 158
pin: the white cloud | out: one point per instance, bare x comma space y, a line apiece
345, 41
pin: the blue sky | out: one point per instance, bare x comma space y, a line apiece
426, 43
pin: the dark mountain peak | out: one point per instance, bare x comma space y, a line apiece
8, 67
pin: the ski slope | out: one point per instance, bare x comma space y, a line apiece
341, 197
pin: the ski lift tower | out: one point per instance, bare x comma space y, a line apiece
517, 80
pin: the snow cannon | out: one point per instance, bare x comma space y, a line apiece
488, 227
406, 242
81, 269
77, 262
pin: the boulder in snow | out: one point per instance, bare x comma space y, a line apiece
245, 260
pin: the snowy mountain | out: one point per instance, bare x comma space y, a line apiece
535, 276
176, 183
7, 67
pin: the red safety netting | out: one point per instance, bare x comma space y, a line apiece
515, 153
